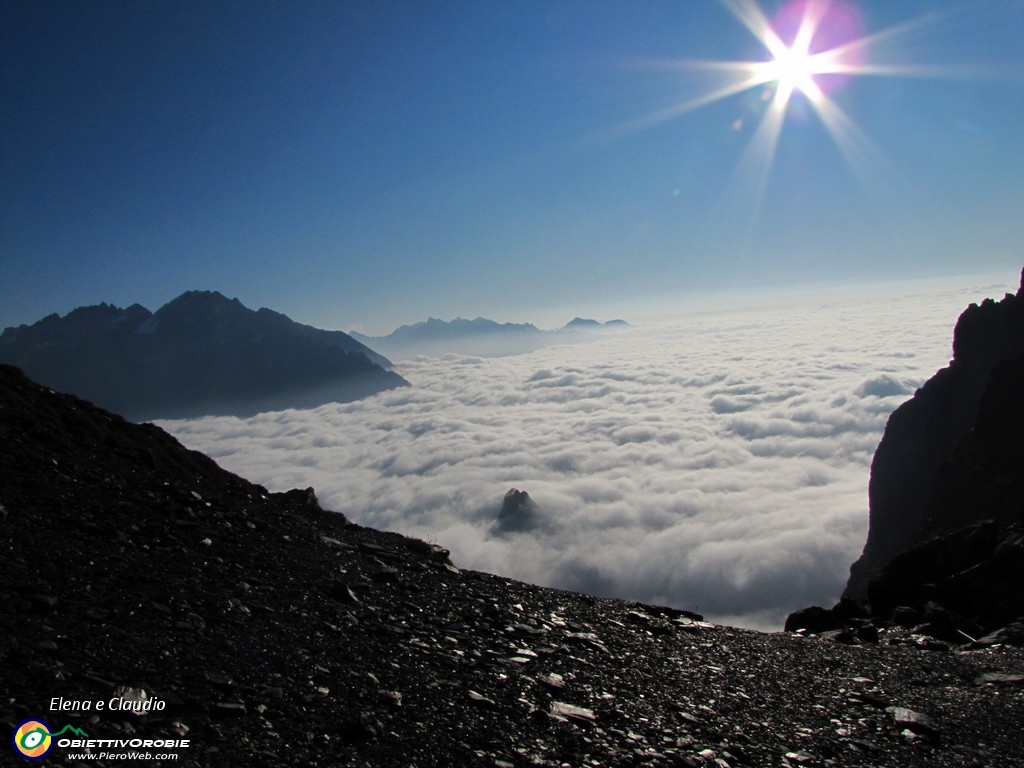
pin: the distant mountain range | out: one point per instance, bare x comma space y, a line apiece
481, 336
200, 354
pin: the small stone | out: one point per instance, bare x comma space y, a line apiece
333, 542
560, 709
343, 593
378, 551
864, 745
479, 698
914, 721
801, 757
1009, 635
999, 678
178, 729
926, 643
554, 680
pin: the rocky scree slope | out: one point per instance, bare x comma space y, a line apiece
200, 354
277, 633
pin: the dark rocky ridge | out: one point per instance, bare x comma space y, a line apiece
954, 455
908, 501
199, 354
280, 634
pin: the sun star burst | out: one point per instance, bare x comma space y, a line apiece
812, 48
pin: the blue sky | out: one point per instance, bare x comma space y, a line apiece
367, 164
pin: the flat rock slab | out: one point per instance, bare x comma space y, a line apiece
571, 712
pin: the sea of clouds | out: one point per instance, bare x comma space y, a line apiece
715, 460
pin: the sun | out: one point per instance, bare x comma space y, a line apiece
793, 70
832, 30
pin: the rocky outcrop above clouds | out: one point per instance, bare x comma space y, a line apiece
906, 494
200, 354
969, 554
518, 513
945, 553
271, 631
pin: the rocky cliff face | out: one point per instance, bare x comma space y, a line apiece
968, 556
906, 493
199, 354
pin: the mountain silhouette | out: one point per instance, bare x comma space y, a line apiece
480, 336
200, 354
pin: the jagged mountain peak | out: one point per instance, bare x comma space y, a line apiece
201, 353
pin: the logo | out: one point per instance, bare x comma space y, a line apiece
32, 738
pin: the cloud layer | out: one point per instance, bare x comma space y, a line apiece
717, 462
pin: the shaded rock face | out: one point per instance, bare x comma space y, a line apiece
975, 573
272, 632
984, 478
969, 554
199, 354
906, 493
